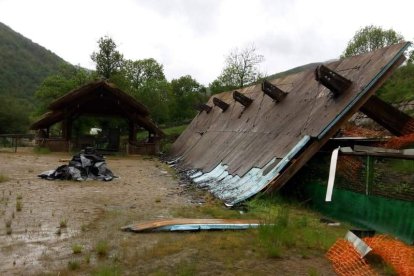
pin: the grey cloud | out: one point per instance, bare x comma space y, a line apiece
200, 15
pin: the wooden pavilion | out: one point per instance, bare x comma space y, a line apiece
97, 99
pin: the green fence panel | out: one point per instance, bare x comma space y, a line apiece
385, 215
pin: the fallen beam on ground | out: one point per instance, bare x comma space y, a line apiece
185, 224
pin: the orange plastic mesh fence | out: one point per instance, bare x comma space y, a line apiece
347, 261
350, 168
409, 127
400, 142
357, 131
395, 253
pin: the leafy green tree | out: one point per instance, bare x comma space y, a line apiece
156, 95
371, 38
145, 81
400, 86
69, 78
241, 68
14, 114
141, 71
187, 92
108, 59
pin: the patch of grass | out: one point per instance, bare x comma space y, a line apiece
107, 271
158, 200
9, 231
8, 223
73, 265
185, 269
102, 248
19, 197
274, 235
87, 258
63, 223
41, 150
4, 178
313, 271
19, 205
164, 247
77, 248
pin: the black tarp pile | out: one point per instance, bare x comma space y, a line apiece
88, 164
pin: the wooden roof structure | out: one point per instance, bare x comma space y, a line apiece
98, 98
255, 139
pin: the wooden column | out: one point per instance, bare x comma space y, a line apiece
132, 132
386, 115
67, 129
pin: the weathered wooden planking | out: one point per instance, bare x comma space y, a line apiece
244, 138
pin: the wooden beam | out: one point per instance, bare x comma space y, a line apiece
203, 107
336, 83
244, 100
388, 116
221, 104
273, 91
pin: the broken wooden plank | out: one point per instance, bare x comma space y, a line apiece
186, 224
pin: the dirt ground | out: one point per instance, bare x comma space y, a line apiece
56, 216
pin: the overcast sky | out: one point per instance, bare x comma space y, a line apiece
194, 36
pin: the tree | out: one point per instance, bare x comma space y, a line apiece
371, 38
141, 71
14, 114
145, 81
241, 68
187, 92
108, 60
54, 86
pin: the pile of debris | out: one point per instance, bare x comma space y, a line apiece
88, 164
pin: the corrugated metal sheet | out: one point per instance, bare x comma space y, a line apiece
240, 152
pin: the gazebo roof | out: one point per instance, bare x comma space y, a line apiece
98, 98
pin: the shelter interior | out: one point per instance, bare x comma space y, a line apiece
109, 110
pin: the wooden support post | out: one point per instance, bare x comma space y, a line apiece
244, 100
336, 83
388, 116
203, 107
132, 137
67, 129
221, 104
369, 174
273, 91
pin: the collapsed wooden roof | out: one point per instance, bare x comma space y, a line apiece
255, 139
98, 98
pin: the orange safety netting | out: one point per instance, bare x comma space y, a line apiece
347, 261
408, 127
400, 142
350, 168
395, 253
357, 131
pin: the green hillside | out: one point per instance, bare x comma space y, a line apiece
23, 64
